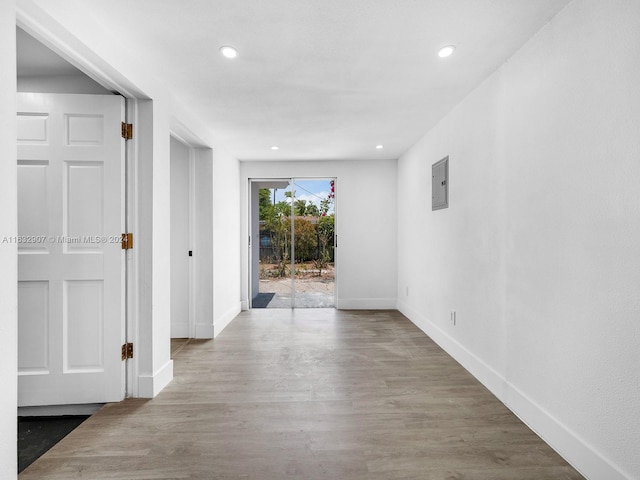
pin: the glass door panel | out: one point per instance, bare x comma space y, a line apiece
271, 263
313, 214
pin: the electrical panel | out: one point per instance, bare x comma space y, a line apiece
440, 184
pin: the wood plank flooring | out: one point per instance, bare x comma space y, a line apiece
309, 394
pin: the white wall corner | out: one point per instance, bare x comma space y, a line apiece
225, 319
150, 385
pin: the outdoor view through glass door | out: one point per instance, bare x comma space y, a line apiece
295, 267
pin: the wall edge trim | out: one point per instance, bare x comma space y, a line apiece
150, 385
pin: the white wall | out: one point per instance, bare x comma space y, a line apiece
153, 248
8, 252
226, 239
180, 240
538, 252
365, 226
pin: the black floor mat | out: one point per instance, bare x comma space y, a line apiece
36, 435
262, 300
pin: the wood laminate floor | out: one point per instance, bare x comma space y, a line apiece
309, 394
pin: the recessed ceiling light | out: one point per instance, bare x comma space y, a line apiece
379, 147
228, 52
275, 147
446, 51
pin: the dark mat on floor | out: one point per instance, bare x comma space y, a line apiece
262, 300
36, 435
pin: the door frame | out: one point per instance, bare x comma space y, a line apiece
43, 30
252, 238
192, 277
201, 302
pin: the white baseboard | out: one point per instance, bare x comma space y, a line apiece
366, 304
582, 456
485, 374
149, 386
225, 319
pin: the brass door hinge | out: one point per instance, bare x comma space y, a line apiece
127, 131
127, 241
127, 351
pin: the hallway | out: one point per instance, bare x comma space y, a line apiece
309, 394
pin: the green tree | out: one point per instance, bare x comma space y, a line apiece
306, 240
276, 221
264, 202
325, 230
325, 205
312, 210
283, 208
300, 208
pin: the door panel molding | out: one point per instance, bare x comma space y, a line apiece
79, 168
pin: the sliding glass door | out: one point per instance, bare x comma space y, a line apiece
293, 261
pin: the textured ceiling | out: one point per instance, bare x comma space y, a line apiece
322, 79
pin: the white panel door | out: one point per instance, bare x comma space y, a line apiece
71, 265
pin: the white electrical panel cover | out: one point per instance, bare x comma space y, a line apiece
440, 184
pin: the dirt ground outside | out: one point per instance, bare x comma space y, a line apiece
308, 279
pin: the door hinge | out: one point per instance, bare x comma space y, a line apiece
127, 131
127, 241
127, 351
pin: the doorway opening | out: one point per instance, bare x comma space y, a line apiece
181, 191
293, 260
73, 191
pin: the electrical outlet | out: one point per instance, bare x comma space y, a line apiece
453, 318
